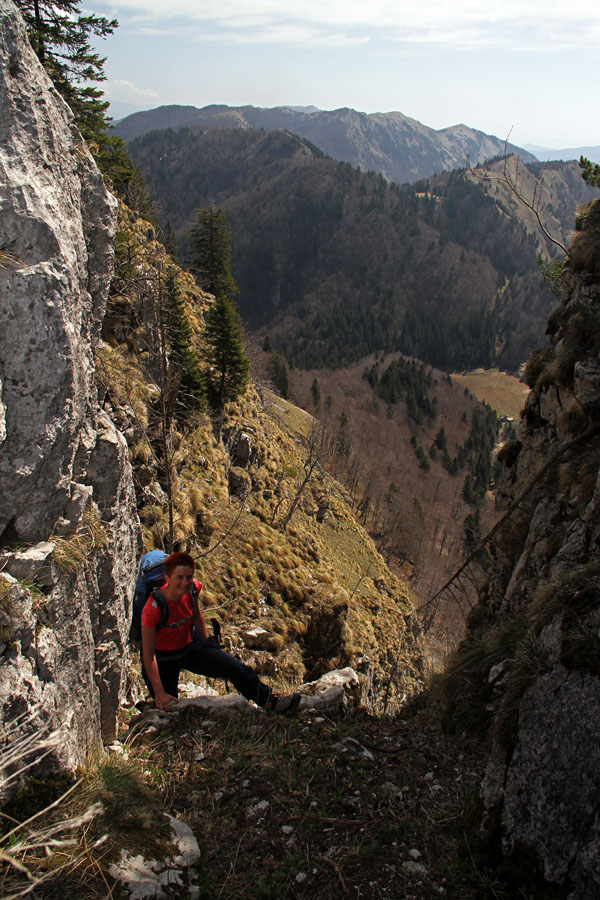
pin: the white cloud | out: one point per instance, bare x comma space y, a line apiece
120, 89
515, 24
276, 34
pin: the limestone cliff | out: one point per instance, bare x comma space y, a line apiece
68, 521
540, 627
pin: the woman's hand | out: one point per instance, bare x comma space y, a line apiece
163, 700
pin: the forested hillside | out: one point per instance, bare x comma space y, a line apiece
335, 263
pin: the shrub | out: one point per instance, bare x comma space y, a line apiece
535, 365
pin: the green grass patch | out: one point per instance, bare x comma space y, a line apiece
504, 392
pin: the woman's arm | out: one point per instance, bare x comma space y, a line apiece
162, 700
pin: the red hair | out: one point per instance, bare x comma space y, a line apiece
178, 559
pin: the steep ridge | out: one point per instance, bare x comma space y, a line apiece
392, 144
531, 669
553, 189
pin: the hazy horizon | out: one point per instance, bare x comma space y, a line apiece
523, 67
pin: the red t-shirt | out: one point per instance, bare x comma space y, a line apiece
179, 636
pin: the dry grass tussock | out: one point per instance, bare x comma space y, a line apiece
8, 259
118, 373
91, 535
37, 845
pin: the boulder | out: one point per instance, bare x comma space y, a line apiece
346, 678
256, 638
240, 483
242, 450
32, 564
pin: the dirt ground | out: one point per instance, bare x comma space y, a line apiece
319, 807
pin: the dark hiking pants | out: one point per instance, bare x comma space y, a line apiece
203, 658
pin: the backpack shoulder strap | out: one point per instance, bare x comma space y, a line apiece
163, 606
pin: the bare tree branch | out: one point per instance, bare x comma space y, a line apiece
512, 183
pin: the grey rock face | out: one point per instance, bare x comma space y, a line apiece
64, 467
544, 790
549, 789
57, 226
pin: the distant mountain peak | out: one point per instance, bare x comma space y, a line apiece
398, 147
547, 153
306, 110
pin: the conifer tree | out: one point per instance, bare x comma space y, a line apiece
61, 37
343, 440
211, 253
225, 351
192, 389
279, 375
315, 390
170, 241
590, 171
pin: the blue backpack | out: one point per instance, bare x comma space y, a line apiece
151, 576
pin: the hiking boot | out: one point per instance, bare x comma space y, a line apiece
287, 704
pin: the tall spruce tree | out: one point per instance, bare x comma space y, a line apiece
225, 352
192, 389
60, 34
170, 241
211, 252
315, 390
210, 255
279, 375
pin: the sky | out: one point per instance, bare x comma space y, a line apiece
528, 68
